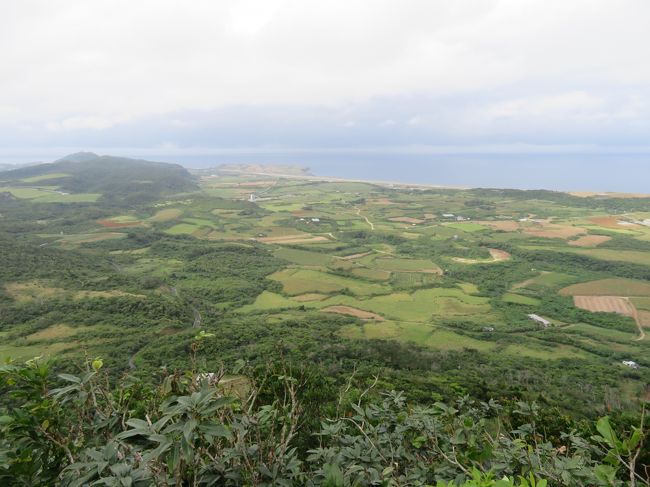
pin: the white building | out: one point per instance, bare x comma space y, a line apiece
631, 364
538, 319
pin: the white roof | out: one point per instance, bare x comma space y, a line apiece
539, 319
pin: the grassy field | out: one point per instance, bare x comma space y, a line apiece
45, 177
466, 227
373, 274
68, 198
29, 351
406, 265
50, 194
40, 291
641, 303
547, 279
303, 257
419, 306
632, 256
182, 229
269, 301
600, 333
301, 281
166, 215
608, 287
420, 333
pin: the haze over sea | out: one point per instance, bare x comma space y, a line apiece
563, 172
615, 173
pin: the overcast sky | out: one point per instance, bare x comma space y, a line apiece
217, 76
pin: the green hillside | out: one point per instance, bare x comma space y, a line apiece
113, 178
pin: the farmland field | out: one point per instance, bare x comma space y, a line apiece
590, 240
605, 304
349, 276
609, 287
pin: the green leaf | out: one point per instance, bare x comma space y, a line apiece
333, 476
188, 429
70, 378
97, 364
215, 430
606, 431
634, 440
605, 473
418, 441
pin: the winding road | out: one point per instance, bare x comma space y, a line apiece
372, 225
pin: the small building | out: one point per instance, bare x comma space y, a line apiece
316, 220
448, 215
488, 328
631, 364
538, 319
252, 198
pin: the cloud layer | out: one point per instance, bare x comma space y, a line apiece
303, 73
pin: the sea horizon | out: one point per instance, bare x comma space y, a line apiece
625, 173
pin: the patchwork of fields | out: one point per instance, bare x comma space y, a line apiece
446, 270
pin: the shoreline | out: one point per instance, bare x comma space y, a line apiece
424, 186
331, 179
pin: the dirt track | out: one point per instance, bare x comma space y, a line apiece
372, 225
292, 239
495, 254
611, 304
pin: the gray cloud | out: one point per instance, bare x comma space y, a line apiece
303, 73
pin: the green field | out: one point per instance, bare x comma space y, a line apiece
268, 301
420, 306
182, 229
466, 227
631, 256
50, 195
604, 334
303, 257
301, 281
405, 265
373, 274
71, 287
420, 333
45, 177
608, 287
548, 279
165, 215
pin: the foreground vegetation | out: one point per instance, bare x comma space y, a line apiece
266, 427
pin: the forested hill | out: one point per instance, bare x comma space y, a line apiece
113, 177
